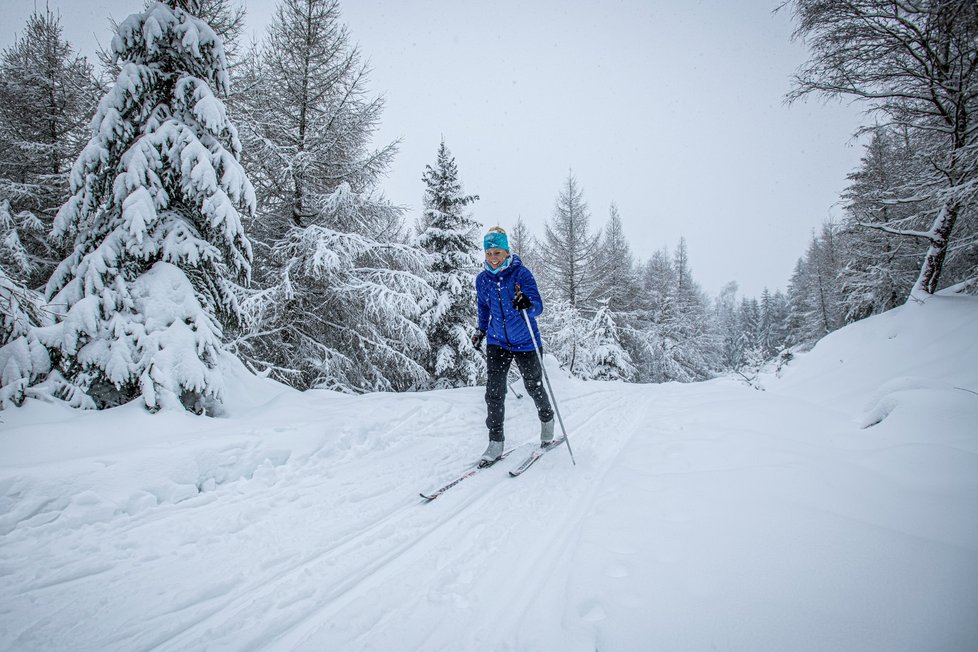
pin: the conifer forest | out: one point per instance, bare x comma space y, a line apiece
190, 196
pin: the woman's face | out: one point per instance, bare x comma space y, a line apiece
495, 257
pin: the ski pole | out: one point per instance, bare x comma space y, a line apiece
538, 348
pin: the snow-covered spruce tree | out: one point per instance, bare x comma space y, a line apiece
619, 283
47, 96
225, 17
15, 230
157, 237
23, 360
610, 360
337, 290
450, 237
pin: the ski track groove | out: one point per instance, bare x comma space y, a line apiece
342, 599
538, 568
255, 594
260, 591
162, 511
64, 571
296, 477
349, 541
185, 625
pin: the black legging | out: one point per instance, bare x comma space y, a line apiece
498, 361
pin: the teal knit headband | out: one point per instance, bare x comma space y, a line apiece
495, 240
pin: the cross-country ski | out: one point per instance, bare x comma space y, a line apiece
535, 455
478, 466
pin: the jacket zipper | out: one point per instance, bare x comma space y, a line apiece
502, 310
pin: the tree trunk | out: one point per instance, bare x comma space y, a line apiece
930, 271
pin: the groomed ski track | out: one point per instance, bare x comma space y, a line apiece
833, 511
290, 558
456, 540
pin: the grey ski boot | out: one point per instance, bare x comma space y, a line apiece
493, 453
546, 432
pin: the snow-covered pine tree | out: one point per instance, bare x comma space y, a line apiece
774, 315
815, 305
47, 96
569, 279
695, 346
338, 292
797, 325
307, 121
615, 265
346, 307
157, 237
619, 284
450, 237
23, 360
750, 323
610, 360
682, 345
225, 17
15, 229
569, 250
728, 328
522, 242
879, 268
751, 341
823, 283
654, 308
565, 334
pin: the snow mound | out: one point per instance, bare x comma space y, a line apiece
865, 368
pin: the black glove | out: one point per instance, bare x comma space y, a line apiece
521, 301
477, 338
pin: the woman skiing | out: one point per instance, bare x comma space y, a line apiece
504, 289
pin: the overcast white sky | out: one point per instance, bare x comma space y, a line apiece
672, 109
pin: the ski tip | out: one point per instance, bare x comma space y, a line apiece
427, 499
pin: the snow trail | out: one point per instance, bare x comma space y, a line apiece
836, 510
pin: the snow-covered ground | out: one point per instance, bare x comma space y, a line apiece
835, 510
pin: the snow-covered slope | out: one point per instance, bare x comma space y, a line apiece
837, 510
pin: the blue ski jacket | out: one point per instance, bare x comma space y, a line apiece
503, 324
